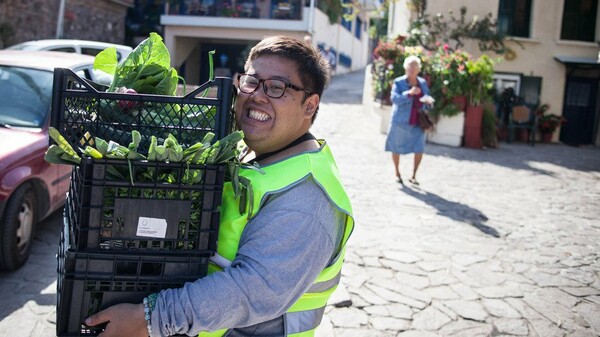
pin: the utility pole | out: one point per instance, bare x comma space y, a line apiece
59, 21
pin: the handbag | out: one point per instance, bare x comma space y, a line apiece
425, 122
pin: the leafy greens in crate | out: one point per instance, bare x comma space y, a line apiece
147, 70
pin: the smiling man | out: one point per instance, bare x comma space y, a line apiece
280, 254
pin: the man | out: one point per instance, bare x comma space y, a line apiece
280, 255
331, 59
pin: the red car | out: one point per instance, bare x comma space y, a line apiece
30, 188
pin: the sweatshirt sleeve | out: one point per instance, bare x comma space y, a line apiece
399, 94
282, 251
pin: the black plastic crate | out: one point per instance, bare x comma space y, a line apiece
88, 282
145, 216
82, 111
135, 268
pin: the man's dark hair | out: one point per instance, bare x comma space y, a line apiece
313, 69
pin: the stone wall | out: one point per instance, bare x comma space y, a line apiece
99, 20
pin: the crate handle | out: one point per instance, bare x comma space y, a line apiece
218, 82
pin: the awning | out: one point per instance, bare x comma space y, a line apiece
579, 62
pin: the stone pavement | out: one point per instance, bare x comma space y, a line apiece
497, 242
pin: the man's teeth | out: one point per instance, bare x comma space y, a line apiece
258, 115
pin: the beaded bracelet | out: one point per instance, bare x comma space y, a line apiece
149, 303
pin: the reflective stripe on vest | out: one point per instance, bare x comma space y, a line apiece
301, 321
306, 313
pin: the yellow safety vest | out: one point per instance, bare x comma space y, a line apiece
305, 315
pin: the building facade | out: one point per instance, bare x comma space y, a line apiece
98, 20
192, 28
555, 58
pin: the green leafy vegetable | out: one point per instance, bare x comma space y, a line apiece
62, 152
146, 70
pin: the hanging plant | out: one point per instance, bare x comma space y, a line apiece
332, 8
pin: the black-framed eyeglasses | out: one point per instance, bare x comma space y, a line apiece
273, 88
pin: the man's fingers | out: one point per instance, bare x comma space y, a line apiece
98, 318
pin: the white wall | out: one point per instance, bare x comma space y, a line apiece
180, 31
399, 18
536, 56
343, 41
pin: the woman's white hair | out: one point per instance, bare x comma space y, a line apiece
412, 59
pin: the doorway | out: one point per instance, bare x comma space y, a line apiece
581, 97
228, 59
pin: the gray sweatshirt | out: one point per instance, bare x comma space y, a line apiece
282, 251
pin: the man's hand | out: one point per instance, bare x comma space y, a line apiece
125, 320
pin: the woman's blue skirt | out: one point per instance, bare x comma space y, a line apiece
404, 138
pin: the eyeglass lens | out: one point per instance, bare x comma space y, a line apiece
273, 88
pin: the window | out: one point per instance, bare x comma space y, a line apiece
579, 20
505, 81
531, 86
578, 94
90, 51
358, 28
514, 17
347, 11
64, 49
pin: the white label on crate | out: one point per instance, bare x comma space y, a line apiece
152, 227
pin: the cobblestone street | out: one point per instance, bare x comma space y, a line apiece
496, 242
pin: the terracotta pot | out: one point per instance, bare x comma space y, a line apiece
523, 135
502, 132
547, 137
460, 102
473, 117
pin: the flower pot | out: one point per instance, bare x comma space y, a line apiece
384, 111
547, 137
473, 118
448, 130
523, 135
502, 132
460, 102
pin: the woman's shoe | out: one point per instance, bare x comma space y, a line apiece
400, 180
413, 181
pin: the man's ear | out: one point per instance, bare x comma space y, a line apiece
311, 104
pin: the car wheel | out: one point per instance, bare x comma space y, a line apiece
18, 228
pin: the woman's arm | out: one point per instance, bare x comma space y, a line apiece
426, 91
400, 92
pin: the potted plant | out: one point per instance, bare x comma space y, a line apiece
450, 73
547, 124
449, 125
479, 88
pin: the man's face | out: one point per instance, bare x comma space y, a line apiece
271, 123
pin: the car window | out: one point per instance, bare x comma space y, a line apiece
26, 96
90, 51
95, 75
64, 49
84, 73
94, 51
101, 77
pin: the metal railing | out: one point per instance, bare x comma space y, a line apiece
258, 9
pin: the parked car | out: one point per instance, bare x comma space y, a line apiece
85, 47
30, 188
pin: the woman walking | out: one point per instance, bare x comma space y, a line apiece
404, 134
